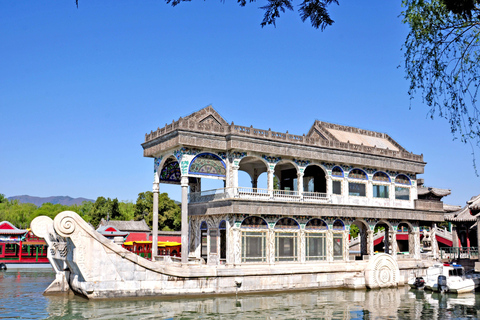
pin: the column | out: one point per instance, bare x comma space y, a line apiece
478, 236
270, 173
329, 185
270, 247
329, 245
184, 184
156, 190
345, 190
370, 246
300, 184
416, 244
391, 194
433, 237
302, 246
346, 245
394, 244
235, 180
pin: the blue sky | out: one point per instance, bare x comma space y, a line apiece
79, 88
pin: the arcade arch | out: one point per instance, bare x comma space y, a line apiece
314, 179
255, 168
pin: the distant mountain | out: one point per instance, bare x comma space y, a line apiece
38, 201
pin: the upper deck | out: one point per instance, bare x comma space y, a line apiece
330, 165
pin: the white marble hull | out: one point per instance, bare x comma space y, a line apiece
93, 266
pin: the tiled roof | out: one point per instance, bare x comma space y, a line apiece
130, 226
109, 230
465, 214
436, 191
450, 208
474, 204
8, 228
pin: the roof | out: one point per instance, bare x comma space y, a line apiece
462, 215
345, 134
474, 204
435, 191
469, 213
8, 228
130, 226
321, 134
451, 208
160, 243
109, 230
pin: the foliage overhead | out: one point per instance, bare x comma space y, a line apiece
313, 10
442, 61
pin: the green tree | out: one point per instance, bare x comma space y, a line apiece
3, 198
114, 209
127, 210
169, 213
354, 231
85, 210
144, 207
100, 210
441, 61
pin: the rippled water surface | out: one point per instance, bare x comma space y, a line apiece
21, 298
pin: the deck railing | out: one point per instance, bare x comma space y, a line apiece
260, 194
453, 253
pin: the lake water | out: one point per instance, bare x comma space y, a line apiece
21, 298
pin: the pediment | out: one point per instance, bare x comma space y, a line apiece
318, 132
207, 115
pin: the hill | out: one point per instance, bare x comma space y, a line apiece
38, 201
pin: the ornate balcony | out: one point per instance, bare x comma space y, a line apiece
258, 194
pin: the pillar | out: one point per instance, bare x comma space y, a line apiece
433, 237
156, 190
234, 184
370, 246
302, 246
329, 190
300, 184
478, 236
346, 245
416, 244
394, 244
270, 174
329, 245
345, 189
184, 184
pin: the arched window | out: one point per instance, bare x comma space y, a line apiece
286, 240
316, 224
316, 240
254, 235
357, 174
402, 193
356, 188
381, 176
338, 242
381, 190
170, 172
337, 172
403, 179
207, 164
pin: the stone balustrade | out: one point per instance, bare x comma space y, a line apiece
192, 125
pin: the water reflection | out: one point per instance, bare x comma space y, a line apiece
21, 297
